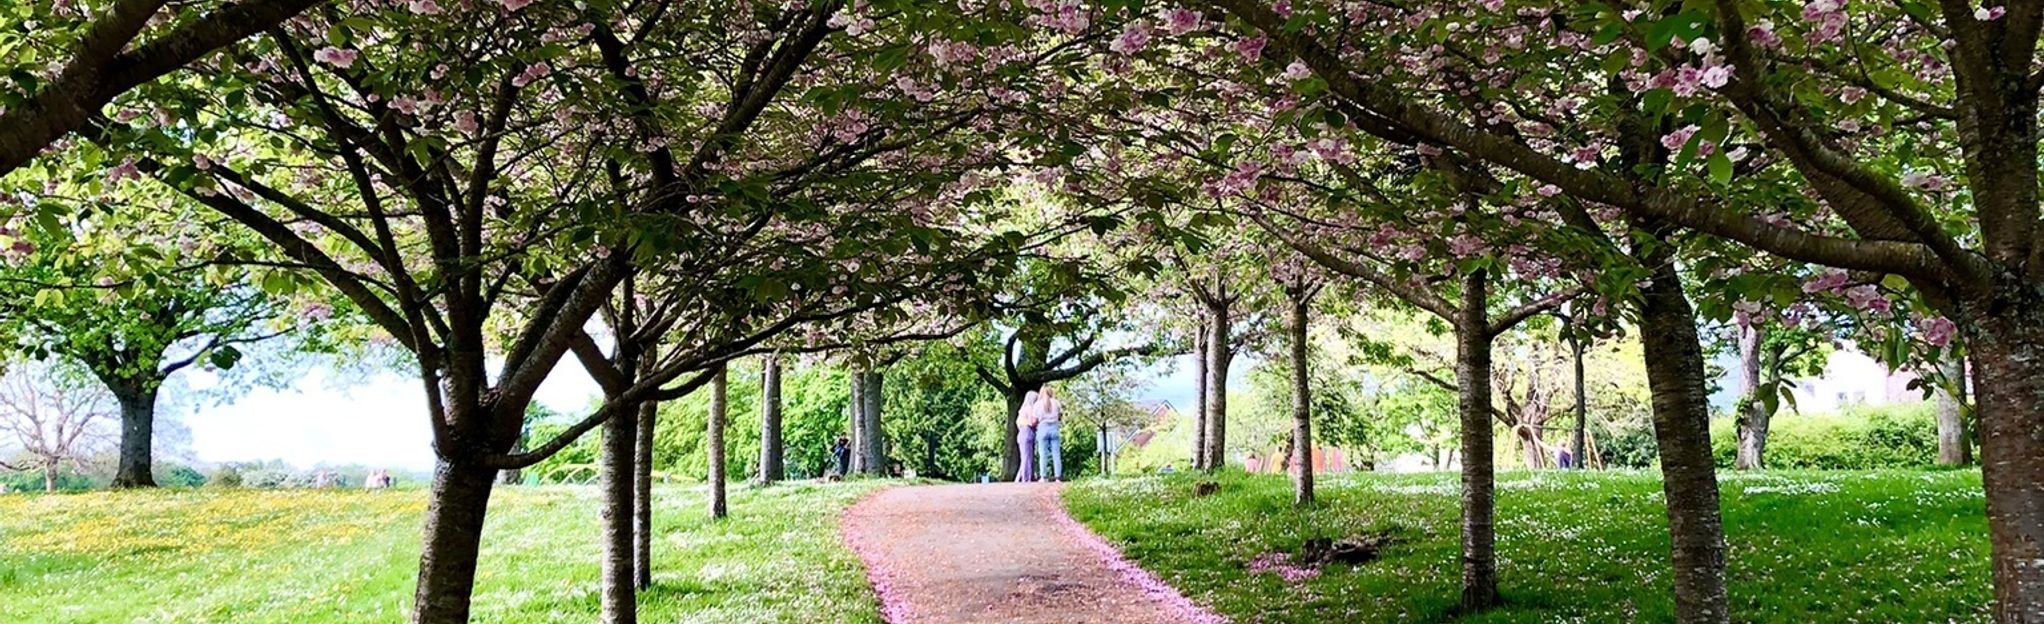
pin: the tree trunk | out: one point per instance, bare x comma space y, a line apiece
138, 425
50, 477
1954, 448
453, 537
1582, 436
771, 454
858, 422
2008, 356
715, 440
1199, 414
1302, 408
1011, 455
642, 495
1219, 352
514, 476
1479, 483
872, 449
1681, 415
1753, 413
615, 469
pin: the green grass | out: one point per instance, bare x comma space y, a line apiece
1804, 546
307, 557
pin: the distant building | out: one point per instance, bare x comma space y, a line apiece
1851, 378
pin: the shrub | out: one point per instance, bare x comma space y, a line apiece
1858, 438
227, 475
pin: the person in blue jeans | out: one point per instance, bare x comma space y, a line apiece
1050, 448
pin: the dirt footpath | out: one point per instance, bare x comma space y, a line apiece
1003, 552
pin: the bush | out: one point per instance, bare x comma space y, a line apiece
1859, 438
227, 475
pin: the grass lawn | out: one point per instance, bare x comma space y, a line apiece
307, 557
1805, 546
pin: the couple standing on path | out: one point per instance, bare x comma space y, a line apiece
1036, 428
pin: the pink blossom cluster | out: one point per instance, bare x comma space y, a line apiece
338, 57
852, 20
532, 72
1938, 330
1065, 16
1132, 39
1827, 18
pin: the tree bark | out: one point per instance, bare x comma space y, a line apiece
1753, 413
642, 495
50, 477
1219, 352
1954, 446
138, 425
1199, 414
1681, 415
616, 469
2008, 356
715, 440
1582, 436
772, 467
453, 538
872, 448
1479, 483
1302, 407
858, 423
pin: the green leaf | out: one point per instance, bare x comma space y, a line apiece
1720, 168
1687, 24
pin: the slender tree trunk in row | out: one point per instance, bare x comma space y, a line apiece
1479, 482
138, 425
616, 469
1302, 407
872, 449
1753, 413
453, 538
1219, 352
715, 441
2007, 342
642, 495
857, 423
1199, 412
1576, 447
1954, 446
1681, 415
771, 452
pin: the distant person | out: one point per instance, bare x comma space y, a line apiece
378, 480
1563, 459
840, 456
1025, 438
1050, 445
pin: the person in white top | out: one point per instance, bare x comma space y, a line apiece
1025, 438
1050, 451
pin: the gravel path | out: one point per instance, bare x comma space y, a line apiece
1003, 552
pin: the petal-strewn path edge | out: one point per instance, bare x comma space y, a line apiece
1134, 574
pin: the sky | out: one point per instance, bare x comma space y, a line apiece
327, 418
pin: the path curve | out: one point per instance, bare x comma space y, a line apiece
1003, 552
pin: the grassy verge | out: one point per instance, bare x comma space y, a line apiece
1805, 546
309, 557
